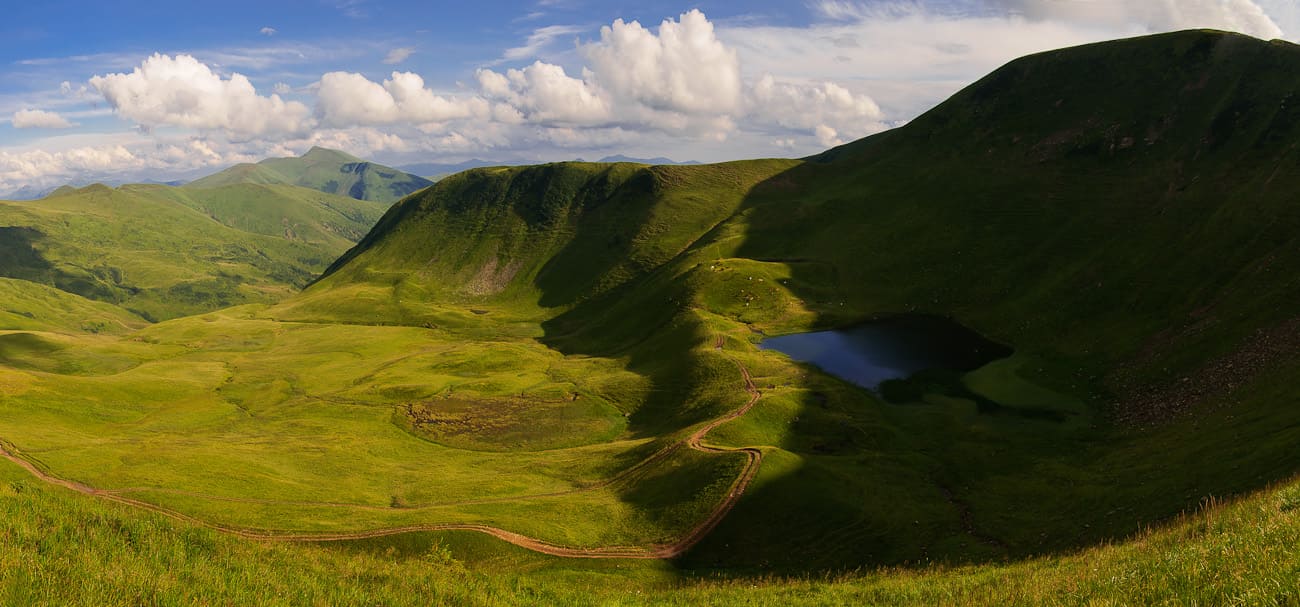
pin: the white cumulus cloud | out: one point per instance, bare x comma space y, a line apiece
347, 99
44, 168
544, 93
39, 119
182, 91
824, 107
680, 78
685, 68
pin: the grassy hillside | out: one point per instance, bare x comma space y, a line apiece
163, 252
311, 422
535, 348
329, 171
462, 417
1239, 553
1128, 232
289, 212
27, 306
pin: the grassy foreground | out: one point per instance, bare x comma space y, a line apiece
62, 548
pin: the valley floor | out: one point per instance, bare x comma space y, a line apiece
297, 429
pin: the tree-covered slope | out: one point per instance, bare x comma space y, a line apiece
329, 171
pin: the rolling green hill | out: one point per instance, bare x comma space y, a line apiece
568, 352
27, 306
163, 252
288, 212
1129, 231
329, 171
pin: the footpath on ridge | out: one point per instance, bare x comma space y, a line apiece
754, 459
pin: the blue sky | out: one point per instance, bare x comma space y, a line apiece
452, 37
136, 90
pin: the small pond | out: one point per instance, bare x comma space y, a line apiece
897, 347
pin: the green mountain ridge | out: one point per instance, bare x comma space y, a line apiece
1122, 229
325, 170
164, 252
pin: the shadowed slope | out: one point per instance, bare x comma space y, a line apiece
27, 306
1124, 215
1120, 213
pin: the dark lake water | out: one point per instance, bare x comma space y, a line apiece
874, 352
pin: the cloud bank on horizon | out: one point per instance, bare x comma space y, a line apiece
692, 85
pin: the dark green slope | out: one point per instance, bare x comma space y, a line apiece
563, 232
27, 306
164, 252
329, 171
1124, 214
1151, 182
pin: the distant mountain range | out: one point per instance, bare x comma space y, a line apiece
329, 171
37, 192
322, 169
659, 160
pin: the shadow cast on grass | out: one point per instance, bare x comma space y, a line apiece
941, 480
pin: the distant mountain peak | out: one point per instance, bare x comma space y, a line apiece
655, 160
320, 154
100, 188
325, 170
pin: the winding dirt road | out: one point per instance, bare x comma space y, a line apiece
754, 459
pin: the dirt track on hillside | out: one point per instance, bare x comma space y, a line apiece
654, 551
